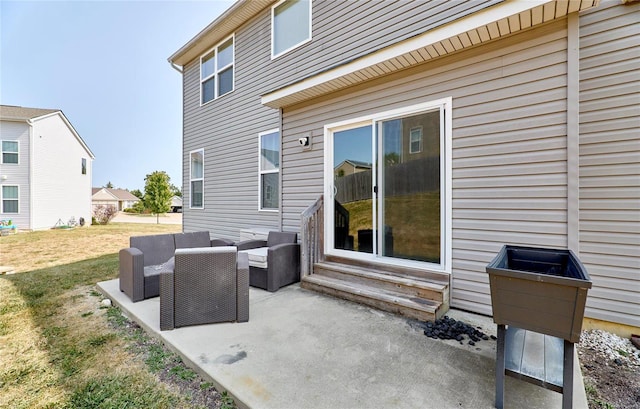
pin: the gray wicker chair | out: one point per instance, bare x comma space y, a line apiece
208, 285
148, 256
273, 263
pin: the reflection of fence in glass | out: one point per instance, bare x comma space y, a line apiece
416, 176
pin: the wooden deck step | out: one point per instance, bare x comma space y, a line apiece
400, 271
380, 298
385, 280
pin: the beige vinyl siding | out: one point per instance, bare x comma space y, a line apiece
610, 160
228, 127
509, 147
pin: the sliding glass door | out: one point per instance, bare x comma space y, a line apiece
386, 188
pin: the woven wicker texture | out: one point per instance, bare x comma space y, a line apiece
205, 285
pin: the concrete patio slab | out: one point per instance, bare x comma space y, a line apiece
304, 350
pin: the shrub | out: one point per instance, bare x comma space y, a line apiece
103, 214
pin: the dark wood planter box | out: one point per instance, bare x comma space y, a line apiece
538, 289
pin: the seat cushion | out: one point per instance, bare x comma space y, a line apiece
257, 256
166, 267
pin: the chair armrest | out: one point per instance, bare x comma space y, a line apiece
242, 288
167, 316
221, 242
251, 244
283, 261
132, 273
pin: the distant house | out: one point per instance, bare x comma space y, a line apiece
349, 167
176, 204
45, 168
119, 198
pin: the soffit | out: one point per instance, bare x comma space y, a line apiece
236, 15
490, 24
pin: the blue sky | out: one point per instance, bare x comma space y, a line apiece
104, 64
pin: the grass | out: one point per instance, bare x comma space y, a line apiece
415, 220
58, 346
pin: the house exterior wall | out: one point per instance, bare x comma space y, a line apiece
17, 174
227, 128
509, 147
59, 189
610, 160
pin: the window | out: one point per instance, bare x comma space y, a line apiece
10, 199
9, 151
197, 179
269, 162
216, 71
84, 166
290, 25
415, 140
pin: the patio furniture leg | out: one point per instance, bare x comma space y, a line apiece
567, 376
500, 367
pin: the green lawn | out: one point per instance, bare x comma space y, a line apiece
60, 348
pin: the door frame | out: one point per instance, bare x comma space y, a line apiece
446, 181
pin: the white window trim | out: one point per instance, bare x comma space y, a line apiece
293, 47
2, 200
217, 70
191, 179
262, 172
446, 221
3, 152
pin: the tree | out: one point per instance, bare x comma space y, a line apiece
157, 193
109, 185
137, 193
175, 190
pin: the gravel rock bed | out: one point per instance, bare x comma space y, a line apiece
610, 346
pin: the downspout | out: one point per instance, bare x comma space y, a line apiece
30, 173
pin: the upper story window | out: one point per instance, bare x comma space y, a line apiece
269, 171
84, 166
196, 174
415, 140
9, 151
290, 25
216, 71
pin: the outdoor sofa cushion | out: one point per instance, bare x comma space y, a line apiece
257, 256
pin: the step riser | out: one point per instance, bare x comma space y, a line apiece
375, 303
375, 283
398, 270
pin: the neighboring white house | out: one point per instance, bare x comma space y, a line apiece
119, 198
45, 169
176, 204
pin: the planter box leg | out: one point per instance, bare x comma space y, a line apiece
500, 367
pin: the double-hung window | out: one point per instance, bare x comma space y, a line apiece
10, 152
269, 170
290, 25
10, 201
415, 140
196, 174
216, 71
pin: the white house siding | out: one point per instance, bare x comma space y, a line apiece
227, 128
509, 147
60, 190
17, 174
610, 160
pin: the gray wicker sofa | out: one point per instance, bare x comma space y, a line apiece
148, 256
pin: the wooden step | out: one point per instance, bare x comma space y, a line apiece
400, 271
379, 298
411, 287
